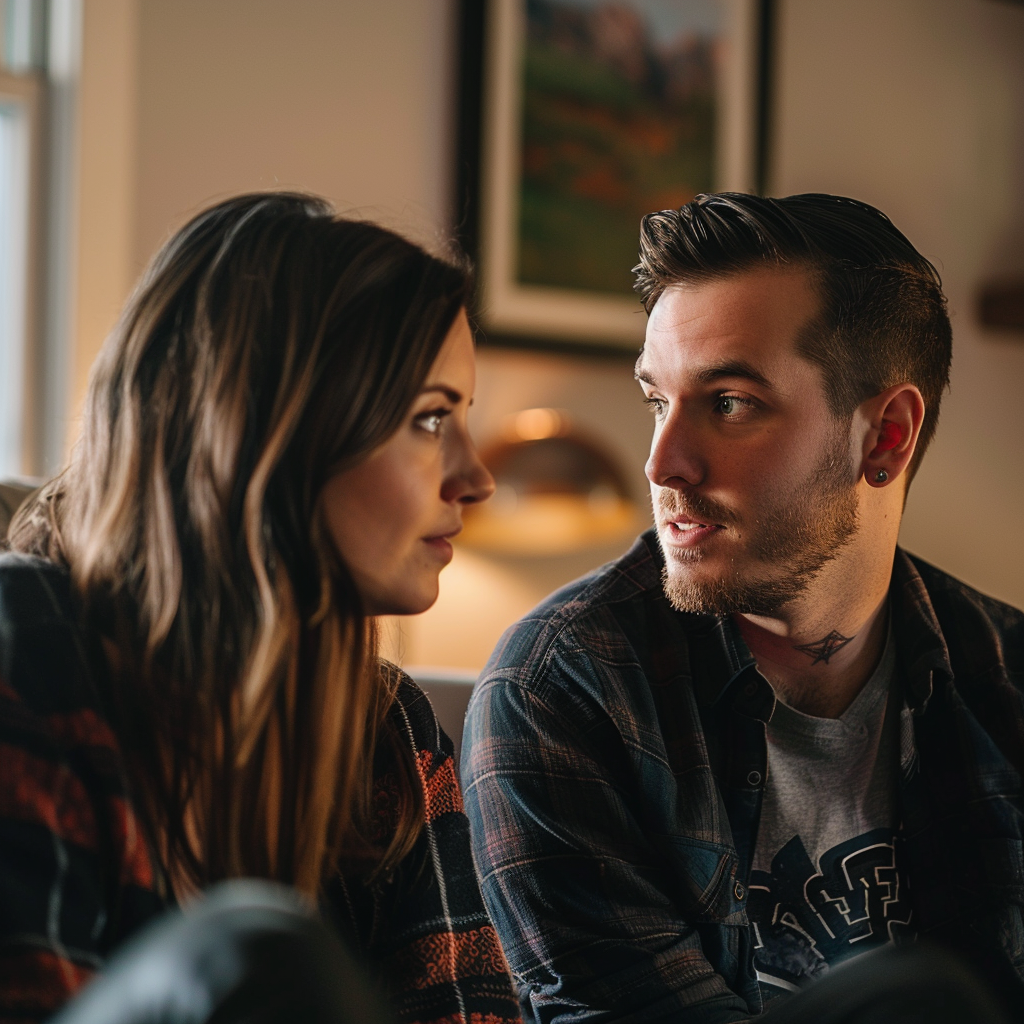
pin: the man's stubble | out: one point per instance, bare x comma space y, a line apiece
789, 542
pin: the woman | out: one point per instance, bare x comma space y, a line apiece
274, 451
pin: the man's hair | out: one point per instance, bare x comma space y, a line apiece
883, 318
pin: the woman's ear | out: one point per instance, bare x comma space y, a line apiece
894, 417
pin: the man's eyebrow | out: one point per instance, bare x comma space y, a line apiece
732, 368
713, 374
451, 394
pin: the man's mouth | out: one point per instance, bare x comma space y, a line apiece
685, 532
690, 524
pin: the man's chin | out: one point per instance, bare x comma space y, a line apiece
698, 590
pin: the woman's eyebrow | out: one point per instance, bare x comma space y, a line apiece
451, 394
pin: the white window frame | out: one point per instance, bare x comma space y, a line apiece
22, 94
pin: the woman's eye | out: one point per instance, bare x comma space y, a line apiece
431, 421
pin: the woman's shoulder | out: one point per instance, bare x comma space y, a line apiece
49, 697
414, 715
32, 590
42, 654
65, 809
432, 751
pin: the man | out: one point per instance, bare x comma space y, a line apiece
766, 739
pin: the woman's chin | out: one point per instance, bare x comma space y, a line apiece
407, 601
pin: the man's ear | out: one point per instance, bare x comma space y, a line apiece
894, 421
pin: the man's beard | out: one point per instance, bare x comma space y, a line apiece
789, 542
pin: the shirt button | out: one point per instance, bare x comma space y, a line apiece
750, 689
754, 778
738, 891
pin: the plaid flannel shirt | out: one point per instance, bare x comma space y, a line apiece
613, 767
77, 875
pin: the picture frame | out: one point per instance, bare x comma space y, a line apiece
552, 246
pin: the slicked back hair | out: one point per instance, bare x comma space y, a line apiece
883, 318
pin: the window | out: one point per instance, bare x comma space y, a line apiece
21, 176
14, 277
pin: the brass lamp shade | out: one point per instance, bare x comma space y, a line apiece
557, 492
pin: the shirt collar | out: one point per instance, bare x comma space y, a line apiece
721, 663
717, 655
920, 645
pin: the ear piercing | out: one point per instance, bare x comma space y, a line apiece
881, 476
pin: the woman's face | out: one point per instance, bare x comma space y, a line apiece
392, 516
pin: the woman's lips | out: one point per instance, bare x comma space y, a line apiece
441, 543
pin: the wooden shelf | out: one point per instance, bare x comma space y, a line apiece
1001, 304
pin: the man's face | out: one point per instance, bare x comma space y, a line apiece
752, 477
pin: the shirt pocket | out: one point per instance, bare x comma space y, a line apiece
704, 879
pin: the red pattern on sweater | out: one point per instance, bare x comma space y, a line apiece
440, 786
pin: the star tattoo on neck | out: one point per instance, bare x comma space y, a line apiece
823, 649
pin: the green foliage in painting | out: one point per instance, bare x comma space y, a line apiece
612, 129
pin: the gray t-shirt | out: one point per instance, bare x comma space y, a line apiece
824, 885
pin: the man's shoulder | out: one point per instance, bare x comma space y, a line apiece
948, 591
972, 623
597, 612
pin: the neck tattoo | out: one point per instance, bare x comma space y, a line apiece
823, 649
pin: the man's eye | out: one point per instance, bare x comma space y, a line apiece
431, 421
656, 405
732, 406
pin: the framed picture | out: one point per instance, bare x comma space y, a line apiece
576, 118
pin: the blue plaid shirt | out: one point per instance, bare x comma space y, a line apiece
613, 768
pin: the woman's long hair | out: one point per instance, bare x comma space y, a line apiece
269, 345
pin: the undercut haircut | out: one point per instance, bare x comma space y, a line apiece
883, 317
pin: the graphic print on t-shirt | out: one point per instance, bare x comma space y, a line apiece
806, 918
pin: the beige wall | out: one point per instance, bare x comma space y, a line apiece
914, 105
107, 152
348, 99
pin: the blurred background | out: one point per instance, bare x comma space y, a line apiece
121, 118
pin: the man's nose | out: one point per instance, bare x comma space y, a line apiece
676, 458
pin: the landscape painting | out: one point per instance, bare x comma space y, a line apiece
594, 113
618, 119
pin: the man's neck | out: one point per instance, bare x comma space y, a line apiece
818, 654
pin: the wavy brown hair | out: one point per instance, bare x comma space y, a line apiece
270, 345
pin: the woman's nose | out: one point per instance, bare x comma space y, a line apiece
471, 482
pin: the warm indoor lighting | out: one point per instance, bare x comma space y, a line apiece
557, 491
536, 424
